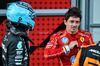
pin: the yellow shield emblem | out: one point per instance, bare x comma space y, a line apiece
82, 39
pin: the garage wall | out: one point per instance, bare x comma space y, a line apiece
95, 19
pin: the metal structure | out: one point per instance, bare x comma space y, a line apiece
43, 12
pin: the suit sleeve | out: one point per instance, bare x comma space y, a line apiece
90, 39
52, 50
76, 63
16, 52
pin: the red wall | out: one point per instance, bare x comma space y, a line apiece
45, 26
40, 33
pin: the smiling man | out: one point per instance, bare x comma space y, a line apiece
64, 45
72, 24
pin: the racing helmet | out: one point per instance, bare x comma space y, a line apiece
21, 13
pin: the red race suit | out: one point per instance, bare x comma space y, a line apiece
58, 41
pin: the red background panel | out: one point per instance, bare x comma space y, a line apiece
45, 26
2, 31
37, 59
49, 4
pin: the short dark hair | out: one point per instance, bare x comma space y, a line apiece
74, 11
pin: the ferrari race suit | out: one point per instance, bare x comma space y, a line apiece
55, 48
88, 56
15, 49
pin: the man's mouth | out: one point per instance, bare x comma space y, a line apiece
73, 28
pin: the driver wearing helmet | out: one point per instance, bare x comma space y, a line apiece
15, 48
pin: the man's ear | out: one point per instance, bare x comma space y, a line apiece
65, 22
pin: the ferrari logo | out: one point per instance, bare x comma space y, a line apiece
82, 39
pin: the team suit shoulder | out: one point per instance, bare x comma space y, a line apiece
84, 33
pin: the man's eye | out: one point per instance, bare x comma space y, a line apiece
72, 21
77, 21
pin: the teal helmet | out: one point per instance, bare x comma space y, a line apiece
21, 13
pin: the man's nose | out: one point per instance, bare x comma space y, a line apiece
74, 24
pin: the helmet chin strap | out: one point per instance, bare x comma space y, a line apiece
19, 20
28, 35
